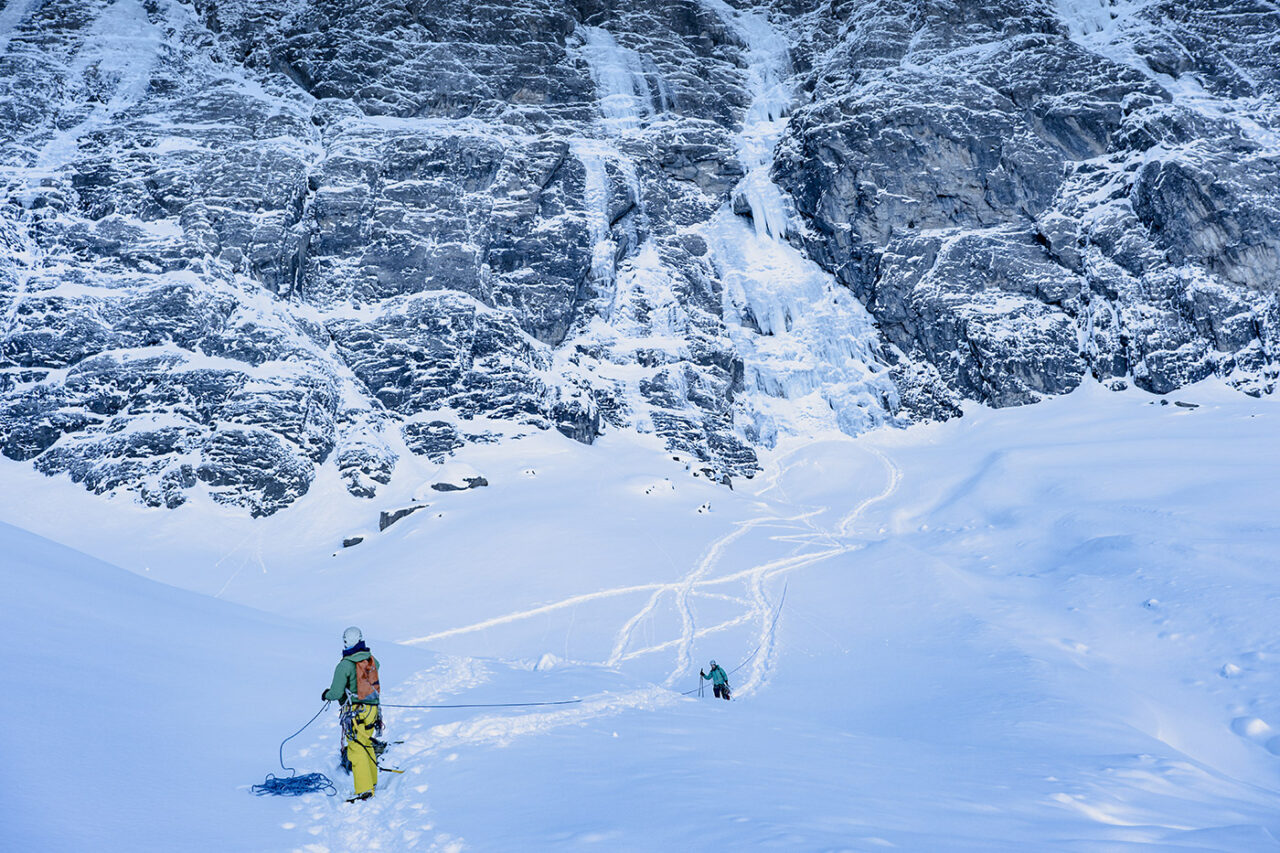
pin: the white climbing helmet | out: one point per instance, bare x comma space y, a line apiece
351, 636
713, 664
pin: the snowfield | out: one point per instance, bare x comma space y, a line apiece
1043, 628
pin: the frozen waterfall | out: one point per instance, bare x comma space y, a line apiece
808, 346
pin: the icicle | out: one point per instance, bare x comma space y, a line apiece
768, 209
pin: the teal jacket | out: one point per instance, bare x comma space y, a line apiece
344, 678
717, 676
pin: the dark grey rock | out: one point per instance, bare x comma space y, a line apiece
386, 519
468, 483
435, 440
364, 460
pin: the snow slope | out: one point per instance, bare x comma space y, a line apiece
1044, 628
134, 714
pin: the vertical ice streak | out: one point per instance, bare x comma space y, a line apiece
808, 346
634, 304
592, 155
24, 261
122, 48
1084, 17
767, 73
624, 98
622, 89
11, 17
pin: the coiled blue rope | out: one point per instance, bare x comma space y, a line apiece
294, 785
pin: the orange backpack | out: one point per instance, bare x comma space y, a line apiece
367, 680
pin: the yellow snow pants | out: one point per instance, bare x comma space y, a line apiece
359, 732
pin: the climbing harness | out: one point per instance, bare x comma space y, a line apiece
294, 785
347, 722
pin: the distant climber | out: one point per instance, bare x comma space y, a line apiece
719, 680
355, 685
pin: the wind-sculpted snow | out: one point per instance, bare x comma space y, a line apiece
246, 241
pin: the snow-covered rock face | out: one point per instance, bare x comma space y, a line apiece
242, 240
1025, 194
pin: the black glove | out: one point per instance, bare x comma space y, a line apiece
702, 672
324, 695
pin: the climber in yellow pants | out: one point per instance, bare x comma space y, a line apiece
356, 686
358, 722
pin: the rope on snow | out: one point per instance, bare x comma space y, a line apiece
489, 705
750, 657
294, 785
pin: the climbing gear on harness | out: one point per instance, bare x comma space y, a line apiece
357, 723
379, 747
295, 785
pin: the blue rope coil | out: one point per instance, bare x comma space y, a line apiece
294, 785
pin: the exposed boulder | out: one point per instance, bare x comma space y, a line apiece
389, 517
454, 477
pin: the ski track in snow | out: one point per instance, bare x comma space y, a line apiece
391, 822
891, 486
714, 554
1110, 687
395, 822
800, 530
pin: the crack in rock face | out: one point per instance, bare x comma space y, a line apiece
243, 241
